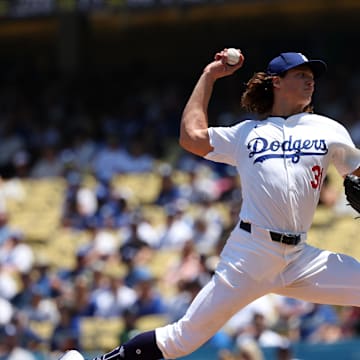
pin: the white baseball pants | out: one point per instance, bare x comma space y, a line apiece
251, 266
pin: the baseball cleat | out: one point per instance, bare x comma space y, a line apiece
72, 355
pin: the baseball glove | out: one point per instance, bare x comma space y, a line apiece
352, 191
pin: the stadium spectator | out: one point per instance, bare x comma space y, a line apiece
112, 298
15, 254
5, 228
130, 329
177, 229
186, 268
49, 165
136, 228
21, 164
81, 150
350, 321
6, 311
137, 159
261, 332
178, 304
169, 191
40, 307
27, 337
67, 333
149, 300
201, 185
108, 161
8, 283
317, 323
206, 234
11, 348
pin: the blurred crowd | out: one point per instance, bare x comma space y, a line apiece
100, 126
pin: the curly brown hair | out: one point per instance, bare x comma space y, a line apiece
258, 96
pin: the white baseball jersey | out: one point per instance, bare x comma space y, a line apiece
282, 163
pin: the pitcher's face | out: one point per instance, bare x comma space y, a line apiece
296, 87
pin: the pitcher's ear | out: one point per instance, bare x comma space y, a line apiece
276, 81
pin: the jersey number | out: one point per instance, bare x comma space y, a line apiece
318, 174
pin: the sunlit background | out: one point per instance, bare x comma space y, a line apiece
107, 227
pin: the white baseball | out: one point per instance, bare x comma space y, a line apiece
233, 56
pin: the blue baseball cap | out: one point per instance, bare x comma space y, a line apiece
290, 60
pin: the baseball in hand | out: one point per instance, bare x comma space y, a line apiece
233, 56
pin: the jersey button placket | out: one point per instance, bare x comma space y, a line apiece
289, 168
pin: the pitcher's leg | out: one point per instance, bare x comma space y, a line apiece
216, 303
324, 277
228, 291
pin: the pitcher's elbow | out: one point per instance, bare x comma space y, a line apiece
184, 143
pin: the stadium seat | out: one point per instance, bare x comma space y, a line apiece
149, 322
100, 333
42, 328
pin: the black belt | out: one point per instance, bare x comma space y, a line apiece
287, 239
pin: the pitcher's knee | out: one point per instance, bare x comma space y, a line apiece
179, 339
